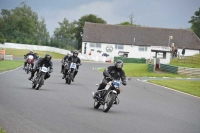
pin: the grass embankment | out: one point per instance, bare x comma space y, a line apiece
6, 65
188, 61
22, 52
187, 86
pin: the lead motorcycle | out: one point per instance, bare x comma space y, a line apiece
71, 68
108, 96
29, 63
38, 81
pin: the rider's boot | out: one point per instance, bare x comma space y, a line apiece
30, 78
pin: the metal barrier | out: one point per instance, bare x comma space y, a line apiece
180, 70
151, 67
6, 57
130, 60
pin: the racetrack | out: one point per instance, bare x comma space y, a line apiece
61, 108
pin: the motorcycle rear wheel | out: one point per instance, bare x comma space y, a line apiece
34, 85
96, 104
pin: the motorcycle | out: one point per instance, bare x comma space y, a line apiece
30, 62
107, 96
38, 81
70, 73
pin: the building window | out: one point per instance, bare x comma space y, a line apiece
92, 45
117, 46
142, 48
98, 45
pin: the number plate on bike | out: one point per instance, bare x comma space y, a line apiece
73, 65
44, 69
116, 84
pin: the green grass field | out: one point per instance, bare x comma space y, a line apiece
187, 86
6, 65
192, 62
22, 52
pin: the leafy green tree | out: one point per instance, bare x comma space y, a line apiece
80, 24
195, 21
43, 36
64, 36
128, 23
21, 25
2, 39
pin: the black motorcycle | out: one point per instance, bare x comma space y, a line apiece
29, 63
70, 72
108, 96
38, 81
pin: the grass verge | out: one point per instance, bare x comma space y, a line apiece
2, 131
22, 52
174, 62
188, 86
6, 65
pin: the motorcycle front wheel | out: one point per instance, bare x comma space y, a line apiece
109, 100
41, 80
28, 68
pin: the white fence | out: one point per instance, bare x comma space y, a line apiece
6, 57
34, 47
51, 49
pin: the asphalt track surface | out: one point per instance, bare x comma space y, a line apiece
61, 108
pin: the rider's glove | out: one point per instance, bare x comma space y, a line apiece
124, 83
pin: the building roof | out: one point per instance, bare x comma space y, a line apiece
141, 36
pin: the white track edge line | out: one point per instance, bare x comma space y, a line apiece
170, 89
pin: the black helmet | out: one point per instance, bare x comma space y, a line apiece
75, 52
119, 64
48, 57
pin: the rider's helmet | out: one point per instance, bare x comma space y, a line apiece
31, 52
118, 64
75, 53
47, 57
68, 54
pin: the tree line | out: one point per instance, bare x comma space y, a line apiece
22, 25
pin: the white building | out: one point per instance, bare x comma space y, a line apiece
135, 42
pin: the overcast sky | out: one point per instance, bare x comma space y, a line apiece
152, 13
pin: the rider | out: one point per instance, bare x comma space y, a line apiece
25, 56
46, 61
113, 72
64, 60
75, 59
